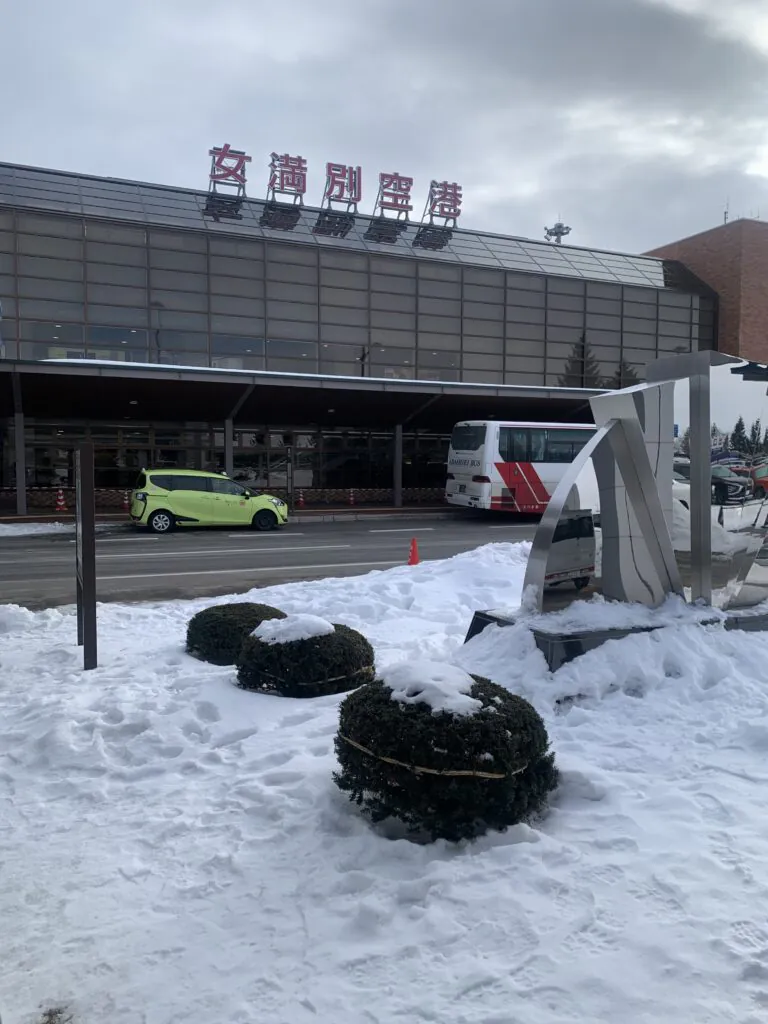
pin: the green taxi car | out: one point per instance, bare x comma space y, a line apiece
166, 498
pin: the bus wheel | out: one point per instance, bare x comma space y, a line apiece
581, 582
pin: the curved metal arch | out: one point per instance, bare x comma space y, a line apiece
536, 569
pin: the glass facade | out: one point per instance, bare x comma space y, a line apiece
111, 270
76, 287
139, 204
281, 462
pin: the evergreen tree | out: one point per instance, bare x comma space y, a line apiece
582, 369
765, 442
625, 377
755, 438
685, 443
739, 440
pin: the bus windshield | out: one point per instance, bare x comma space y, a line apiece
468, 437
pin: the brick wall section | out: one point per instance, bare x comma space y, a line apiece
732, 259
754, 291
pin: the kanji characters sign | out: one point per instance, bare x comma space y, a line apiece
228, 165
288, 175
395, 193
287, 183
343, 183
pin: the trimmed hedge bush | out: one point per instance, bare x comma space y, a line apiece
216, 634
503, 749
316, 667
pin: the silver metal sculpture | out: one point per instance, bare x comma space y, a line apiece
650, 544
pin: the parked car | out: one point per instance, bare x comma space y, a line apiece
728, 488
166, 498
681, 489
572, 554
760, 479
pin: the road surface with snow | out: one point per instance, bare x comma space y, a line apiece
38, 571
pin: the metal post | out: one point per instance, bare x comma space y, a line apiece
85, 554
21, 464
229, 448
701, 489
397, 467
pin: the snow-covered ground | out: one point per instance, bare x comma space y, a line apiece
31, 529
173, 849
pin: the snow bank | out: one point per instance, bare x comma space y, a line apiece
598, 614
441, 687
34, 529
174, 848
723, 541
293, 627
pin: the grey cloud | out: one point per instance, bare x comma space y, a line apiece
485, 93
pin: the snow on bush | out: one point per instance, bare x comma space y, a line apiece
310, 666
292, 627
444, 768
216, 634
440, 687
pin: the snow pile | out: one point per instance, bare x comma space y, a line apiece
174, 849
723, 541
293, 627
599, 614
441, 687
34, 529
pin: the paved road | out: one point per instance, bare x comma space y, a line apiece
38, 571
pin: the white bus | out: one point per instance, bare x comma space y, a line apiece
515, 467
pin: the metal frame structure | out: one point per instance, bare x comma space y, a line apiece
632, 456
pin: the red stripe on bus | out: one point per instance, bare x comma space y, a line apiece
523, 479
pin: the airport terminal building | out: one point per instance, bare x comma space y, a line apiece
297, 347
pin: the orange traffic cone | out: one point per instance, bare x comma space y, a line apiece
126, 502
413, 554
351, 496
300, 500
61, 505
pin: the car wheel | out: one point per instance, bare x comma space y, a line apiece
161, 522
264, 520
760, 492
581, 582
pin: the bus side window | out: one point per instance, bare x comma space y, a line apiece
513, 444
565, 445
538, 445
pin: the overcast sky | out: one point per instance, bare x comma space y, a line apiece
730, 397
633, 120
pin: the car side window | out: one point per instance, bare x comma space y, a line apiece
190, 483
164, 482
224, 486
566, 529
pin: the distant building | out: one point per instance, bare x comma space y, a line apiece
290, 348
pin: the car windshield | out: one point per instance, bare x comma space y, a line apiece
725, 474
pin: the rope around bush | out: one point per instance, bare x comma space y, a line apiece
321, 665
443, 775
